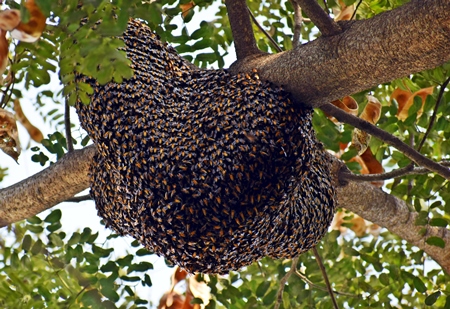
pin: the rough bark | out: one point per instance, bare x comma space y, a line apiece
46, 189
390, 212
412, 38
409, 39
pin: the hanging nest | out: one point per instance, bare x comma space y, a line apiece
213, 171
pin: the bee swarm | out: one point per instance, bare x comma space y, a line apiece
210, 170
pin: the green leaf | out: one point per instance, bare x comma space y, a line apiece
262, 288
439, 222
34, 220
384, 279
37, 247
436, 241
54, 216
141, 267
36, 229
419, 285
432, 298
26, 243
143, 252
147, 281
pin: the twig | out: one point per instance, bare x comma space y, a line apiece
283, 282
325, 23
298, 20
241, 28
356, 9
389, 139
404, 171
325, 277
68, 129
433, 117
325, 4
319, 287
277, 47
81, 198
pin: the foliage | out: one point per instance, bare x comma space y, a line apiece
42, 267
47, 268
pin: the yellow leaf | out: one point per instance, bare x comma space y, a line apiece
9, 136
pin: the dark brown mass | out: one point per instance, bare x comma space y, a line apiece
210, 170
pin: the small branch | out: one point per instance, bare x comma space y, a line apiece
356, 9
283, 282
325, 277
277, 47
68, 129
81, 198
241, 28
433, 117
325, 23
319, 287
404, 171
389, 139
298, 20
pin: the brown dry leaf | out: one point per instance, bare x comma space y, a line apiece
405, 100
372, 166
185, 8
347, 104
35, 134
32, 30
9, 19
346, 12
171, 300
178, 275
371, 113
9, 136
3, 54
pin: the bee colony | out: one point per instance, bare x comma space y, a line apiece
213, 171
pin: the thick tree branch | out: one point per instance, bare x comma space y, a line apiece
241, 27
367, 53
389, 139
46, 189
390, 212
319, 17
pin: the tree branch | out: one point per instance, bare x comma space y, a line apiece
67, 127
366, 54
241, 27
275, 45
283, 282
390, 212
298, 20
433, 117
325, 23
389, 139
46, 189
325, 277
